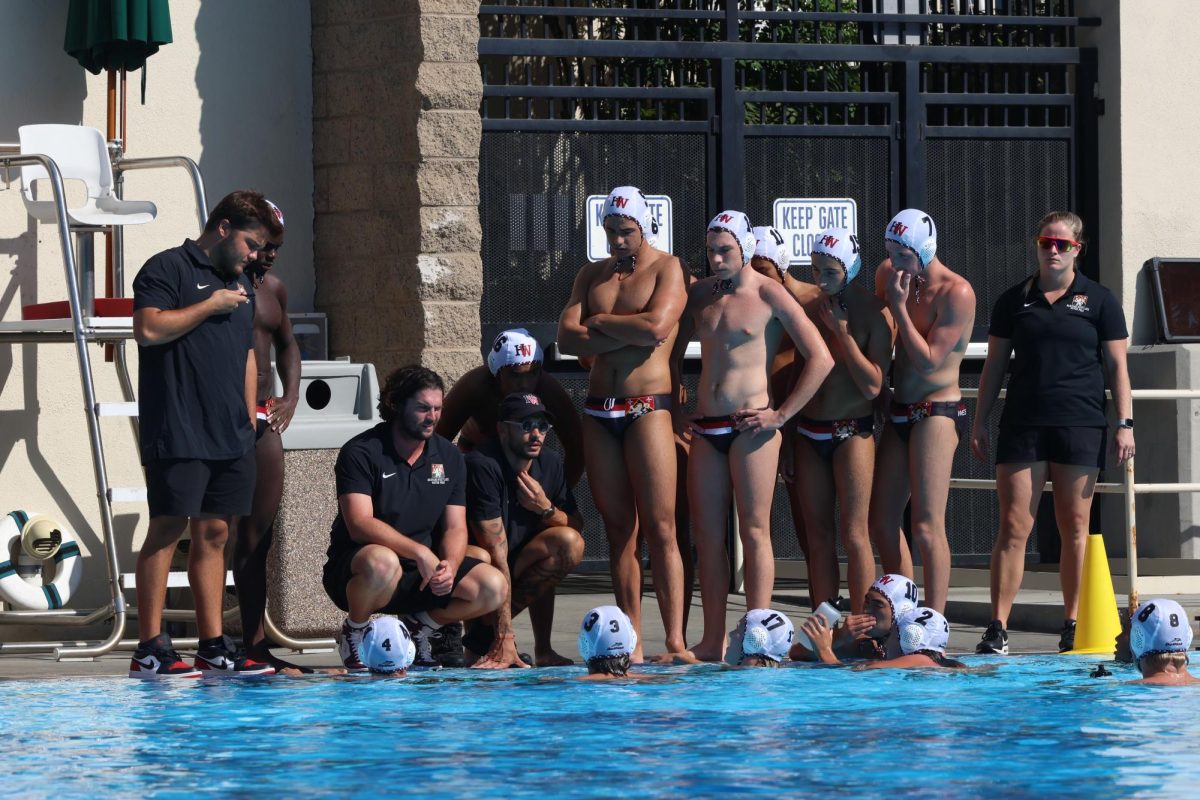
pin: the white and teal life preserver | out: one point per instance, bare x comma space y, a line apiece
37, 531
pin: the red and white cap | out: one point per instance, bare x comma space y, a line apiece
628, 201
915, 230
513, 348
737, 224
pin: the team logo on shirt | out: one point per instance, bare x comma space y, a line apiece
437, 474
1078, 303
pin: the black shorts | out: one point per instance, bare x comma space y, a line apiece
1074, 445
179, 487
408, 597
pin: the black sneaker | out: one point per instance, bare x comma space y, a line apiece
157, 660
1066, 639
224, 661
422, 636
349, 644
447, 645
994, 641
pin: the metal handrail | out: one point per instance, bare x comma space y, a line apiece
89, 398
1128, 487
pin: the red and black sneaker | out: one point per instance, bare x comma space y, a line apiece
223, 661
157, 660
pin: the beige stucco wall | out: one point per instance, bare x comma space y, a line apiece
1149, 78
233, 92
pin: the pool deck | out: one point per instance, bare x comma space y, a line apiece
1035, 621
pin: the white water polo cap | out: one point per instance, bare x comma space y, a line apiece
761, 632
629, 202
387, 646
768, 244
901, 593
276, 210
923, 629
513, 348
1159, 626
842, 245
738, 225
915, 230
606, 632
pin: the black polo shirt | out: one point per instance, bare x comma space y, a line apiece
192, 391
1058, 366
412, 499
492, 492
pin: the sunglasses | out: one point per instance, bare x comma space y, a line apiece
529, 426
1063, 245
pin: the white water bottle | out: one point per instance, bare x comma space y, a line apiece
831, 615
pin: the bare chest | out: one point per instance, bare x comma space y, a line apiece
732, 320
620, 293
268, 312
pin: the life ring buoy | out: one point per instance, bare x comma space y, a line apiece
68, 566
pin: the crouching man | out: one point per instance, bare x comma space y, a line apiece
399, 542
521, 512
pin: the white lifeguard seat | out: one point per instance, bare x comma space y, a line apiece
81, 154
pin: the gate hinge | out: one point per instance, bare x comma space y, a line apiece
714, 123
898, 129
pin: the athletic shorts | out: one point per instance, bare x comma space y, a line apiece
178, 487
408, 597
1073, 445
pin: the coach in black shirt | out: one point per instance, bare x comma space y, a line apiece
399, 542
1063, 332
193, 322
521, 512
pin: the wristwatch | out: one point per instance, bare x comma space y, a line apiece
1126, 423
549, 512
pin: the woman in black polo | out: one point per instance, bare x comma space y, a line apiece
1064, 333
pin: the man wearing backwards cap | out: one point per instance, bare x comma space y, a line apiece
521, 512
514, 364
740, 317
272, 328
834, 441
1159, 638
624, 311
934, 310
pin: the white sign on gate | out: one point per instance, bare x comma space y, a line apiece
801, 219
597, 242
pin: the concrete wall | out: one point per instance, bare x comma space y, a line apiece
396, 133
1149, 78
233, 92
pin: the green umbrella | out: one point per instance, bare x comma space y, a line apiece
117, 34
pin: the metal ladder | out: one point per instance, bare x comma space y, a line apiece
84, 328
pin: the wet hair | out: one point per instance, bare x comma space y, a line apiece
402, 385
941, 660
757, 661
1157, 662
609, 665
1068, 218
244, 209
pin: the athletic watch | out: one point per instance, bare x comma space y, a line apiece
1126, 423
549, 512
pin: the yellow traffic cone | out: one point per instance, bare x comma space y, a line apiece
1098, 623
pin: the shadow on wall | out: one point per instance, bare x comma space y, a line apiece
39, 83
254, 79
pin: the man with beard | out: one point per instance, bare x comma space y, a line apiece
399, 542
520, 510
193, 322
272, 328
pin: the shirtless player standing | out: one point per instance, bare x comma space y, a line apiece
625, 312
934, 310
740, 317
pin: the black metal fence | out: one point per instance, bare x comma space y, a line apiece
978, 111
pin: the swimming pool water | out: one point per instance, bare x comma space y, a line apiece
1026, 726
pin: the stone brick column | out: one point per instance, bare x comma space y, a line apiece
396, 134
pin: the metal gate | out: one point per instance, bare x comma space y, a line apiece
968, 109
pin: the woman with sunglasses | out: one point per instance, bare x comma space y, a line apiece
1064, 332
